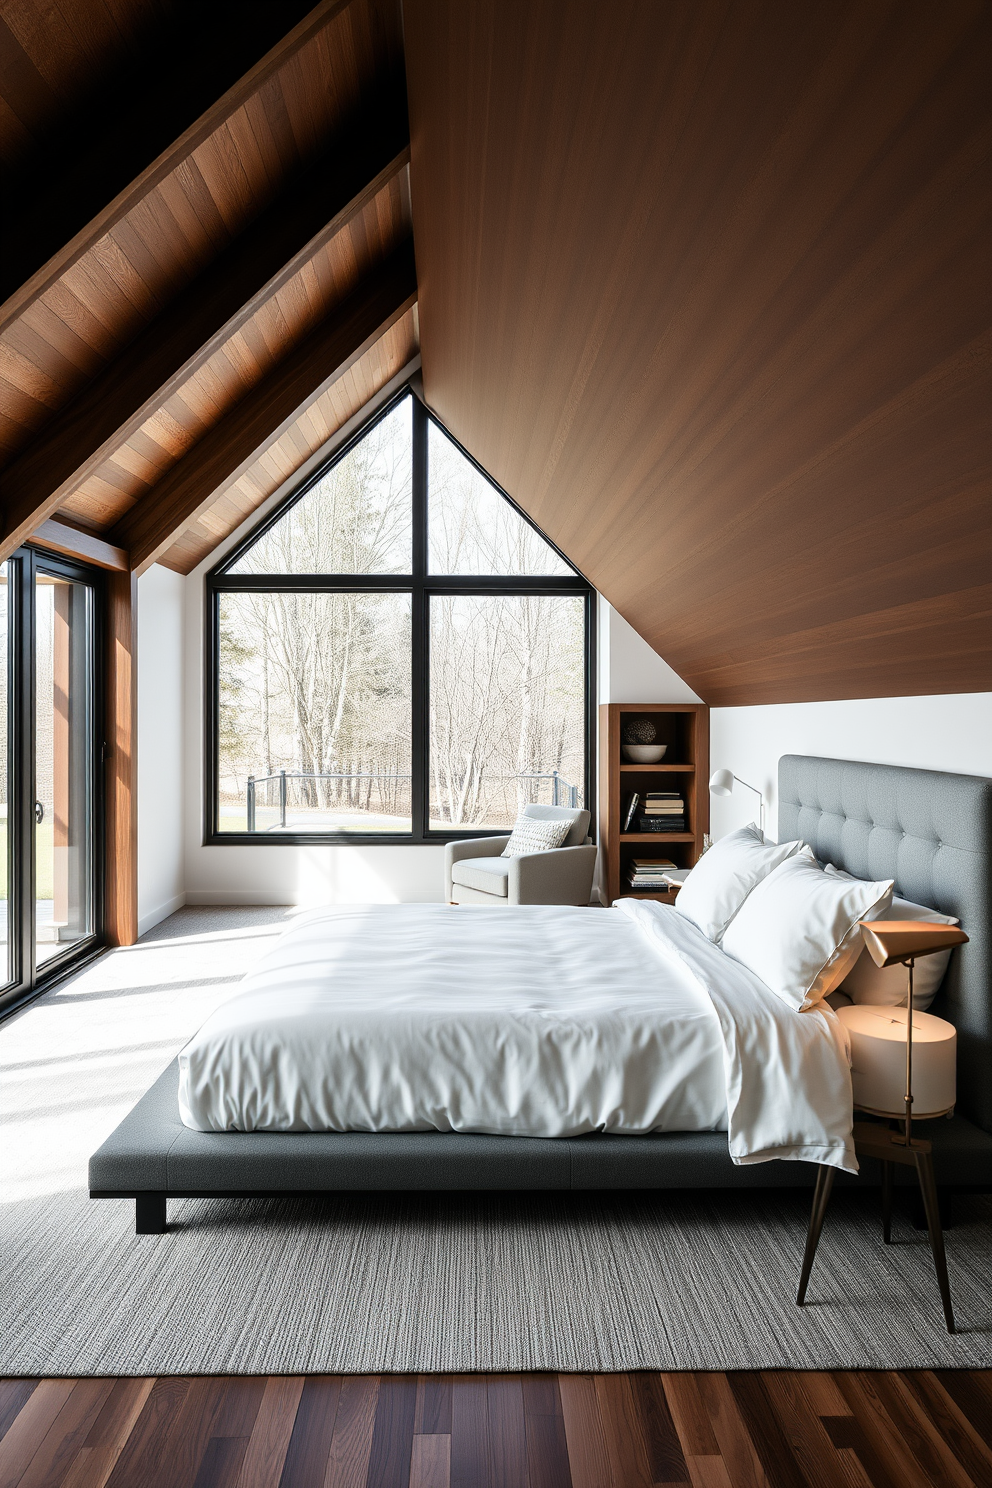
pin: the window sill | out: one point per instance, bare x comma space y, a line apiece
344, 839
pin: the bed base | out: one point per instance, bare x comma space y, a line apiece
151, 1209
152, 1158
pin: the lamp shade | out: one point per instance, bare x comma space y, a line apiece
892, 941
722, 783
878, 1060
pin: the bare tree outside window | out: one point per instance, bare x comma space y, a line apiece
315, 682
507, 707
356, 519
473, 529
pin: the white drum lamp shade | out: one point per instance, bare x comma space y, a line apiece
878, 1061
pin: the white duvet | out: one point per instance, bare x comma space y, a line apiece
532, 1021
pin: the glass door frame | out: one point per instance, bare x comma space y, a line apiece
27, 979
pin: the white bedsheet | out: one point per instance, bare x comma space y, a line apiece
526, 1021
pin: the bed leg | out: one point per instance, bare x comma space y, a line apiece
149, 1214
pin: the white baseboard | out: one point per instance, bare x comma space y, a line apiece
155, 917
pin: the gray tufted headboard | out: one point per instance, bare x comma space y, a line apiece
932, 833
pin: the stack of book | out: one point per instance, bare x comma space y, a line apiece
662, 811
649, 873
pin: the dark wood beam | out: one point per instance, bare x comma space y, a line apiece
227, 449
113, 132
256, 266
58, 537
172, 156
120, 762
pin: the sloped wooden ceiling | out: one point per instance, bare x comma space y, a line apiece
705, 285
228, 302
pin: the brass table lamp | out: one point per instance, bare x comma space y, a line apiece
890, 943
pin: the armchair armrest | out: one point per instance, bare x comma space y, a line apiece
470, 847
561, 876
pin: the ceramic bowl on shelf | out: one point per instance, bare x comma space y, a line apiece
644, 754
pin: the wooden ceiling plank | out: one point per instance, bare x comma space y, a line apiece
718, 331
23, 373
25, 339
258, 125
271, 105
389, 358
27, 92
138, 248
192, 206
26, 408
236, 198
96, 222
132, 459
228, 448
161, 358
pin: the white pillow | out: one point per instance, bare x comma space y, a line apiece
722, 879
887, 987
799, 929
535, 834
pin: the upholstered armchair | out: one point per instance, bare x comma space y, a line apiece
474, 873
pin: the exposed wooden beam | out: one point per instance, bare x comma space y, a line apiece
120, 762
57, 537
227, 449
195, 324
124, 121
178, 151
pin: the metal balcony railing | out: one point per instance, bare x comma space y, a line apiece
563, 793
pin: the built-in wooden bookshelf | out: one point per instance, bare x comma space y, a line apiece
685, 729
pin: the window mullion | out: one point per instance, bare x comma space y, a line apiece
420, 621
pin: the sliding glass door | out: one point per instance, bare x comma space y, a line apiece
64, 870
50, 779
7, 967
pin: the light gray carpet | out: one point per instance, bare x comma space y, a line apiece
437, 1282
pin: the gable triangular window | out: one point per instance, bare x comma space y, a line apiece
355, 518
472, 528
397, 653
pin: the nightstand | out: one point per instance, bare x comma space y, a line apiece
893, 1049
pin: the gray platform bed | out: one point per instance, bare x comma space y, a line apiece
932, 832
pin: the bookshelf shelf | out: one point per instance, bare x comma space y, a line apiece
684, 727
658, 769
658, 837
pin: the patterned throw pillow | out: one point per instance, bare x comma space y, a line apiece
532, 834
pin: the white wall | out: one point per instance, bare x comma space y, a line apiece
629, 670
161, 745
951, 732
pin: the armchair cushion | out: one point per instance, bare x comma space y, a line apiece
531, 834
488, 875
578, 820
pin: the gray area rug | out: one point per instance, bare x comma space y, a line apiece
399, 1283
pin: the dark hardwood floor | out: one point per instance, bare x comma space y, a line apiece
778, 1429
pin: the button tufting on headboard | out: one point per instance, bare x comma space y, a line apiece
932, 832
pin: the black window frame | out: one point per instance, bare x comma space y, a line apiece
28, 980
421, 586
